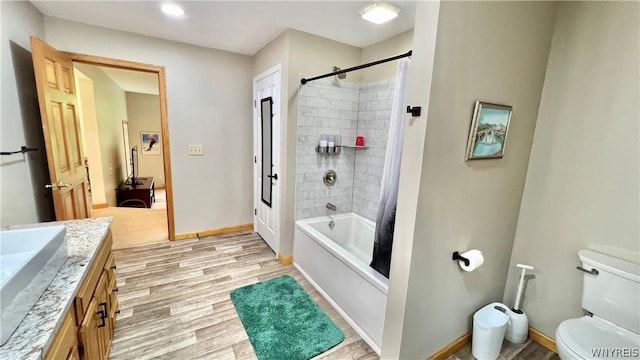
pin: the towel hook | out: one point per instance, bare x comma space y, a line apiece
23, 149
414, 111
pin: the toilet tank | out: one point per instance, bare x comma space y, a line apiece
613, 294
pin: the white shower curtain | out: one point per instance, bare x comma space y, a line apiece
385, 221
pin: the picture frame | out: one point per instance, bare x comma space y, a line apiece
150, 142
489, 130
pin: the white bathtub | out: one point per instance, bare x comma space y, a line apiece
336, 263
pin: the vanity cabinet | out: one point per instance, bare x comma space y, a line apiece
65, 344
87, 331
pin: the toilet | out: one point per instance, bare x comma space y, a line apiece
611, 292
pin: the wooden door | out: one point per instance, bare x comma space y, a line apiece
60, 124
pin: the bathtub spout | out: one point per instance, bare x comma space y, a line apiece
330, 206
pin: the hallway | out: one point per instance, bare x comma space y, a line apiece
135, 226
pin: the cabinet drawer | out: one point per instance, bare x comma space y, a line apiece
66, 341
83, 297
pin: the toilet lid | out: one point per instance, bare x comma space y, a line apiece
586, 336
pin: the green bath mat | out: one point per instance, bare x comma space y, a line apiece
283, 322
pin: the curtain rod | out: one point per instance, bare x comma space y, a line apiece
407, 54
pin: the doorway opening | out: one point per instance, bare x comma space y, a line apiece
122, 107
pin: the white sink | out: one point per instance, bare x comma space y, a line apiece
29, 260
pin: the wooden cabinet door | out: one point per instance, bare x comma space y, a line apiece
94, 333
66, 340
88, 334
105, 303
74, 354
112, 300
112, 291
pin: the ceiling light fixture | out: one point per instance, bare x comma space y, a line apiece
379, 12
173, 10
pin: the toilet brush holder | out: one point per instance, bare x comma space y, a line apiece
518, 327
517, 331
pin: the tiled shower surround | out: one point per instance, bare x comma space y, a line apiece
330, 106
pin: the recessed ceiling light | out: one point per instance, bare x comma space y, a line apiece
173, 10
379, 12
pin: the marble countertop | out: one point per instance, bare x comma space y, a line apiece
32, 338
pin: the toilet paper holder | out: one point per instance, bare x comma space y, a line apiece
456, 256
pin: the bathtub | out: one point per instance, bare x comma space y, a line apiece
336, 263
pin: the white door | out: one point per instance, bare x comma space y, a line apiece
266, 142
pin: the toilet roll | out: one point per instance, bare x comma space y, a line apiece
475, 260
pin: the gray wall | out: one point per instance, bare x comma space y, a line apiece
493, 52
396, 45
209, 102
143, 111
582, 184
111, 109
422, 62
22, 177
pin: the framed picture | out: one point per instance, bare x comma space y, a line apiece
488, 133
150, 141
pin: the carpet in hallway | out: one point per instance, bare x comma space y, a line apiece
134, 226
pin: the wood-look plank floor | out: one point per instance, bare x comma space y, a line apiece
175, 304
529, 350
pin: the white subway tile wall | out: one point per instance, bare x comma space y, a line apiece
374, 112
329, 106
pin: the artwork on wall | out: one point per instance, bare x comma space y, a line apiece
488, 133
150, 141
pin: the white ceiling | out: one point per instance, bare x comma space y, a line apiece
133, 81
237, 26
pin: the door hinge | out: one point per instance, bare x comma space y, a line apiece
255, 211
255, 159
254, 103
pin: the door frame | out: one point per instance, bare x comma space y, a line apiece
275, 134
164, 118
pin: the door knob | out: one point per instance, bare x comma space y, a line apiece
57, 186
274, 176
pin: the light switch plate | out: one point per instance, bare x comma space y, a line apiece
195, 149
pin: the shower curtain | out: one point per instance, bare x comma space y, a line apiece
386, 218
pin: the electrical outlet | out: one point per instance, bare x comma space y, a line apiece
195, 149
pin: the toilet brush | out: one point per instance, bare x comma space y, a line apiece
518, 327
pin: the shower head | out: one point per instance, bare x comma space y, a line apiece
340, 76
